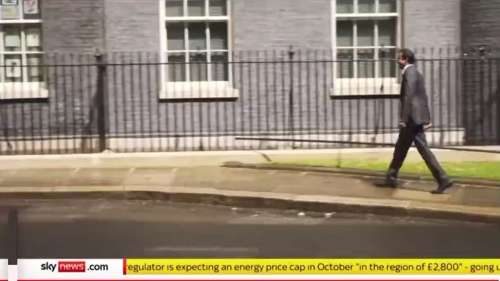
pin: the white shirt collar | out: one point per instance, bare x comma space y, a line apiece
405, 68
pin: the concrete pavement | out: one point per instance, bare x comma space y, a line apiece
201, 177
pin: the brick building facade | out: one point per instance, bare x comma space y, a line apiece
198, 37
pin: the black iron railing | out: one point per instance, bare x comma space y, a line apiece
140, 102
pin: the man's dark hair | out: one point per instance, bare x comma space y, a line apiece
408, 55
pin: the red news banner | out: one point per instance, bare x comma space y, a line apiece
250, 269
70, 266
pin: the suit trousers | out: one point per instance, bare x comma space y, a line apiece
407, 135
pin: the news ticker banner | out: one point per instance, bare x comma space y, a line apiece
251, 269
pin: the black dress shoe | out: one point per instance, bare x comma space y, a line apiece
442, 187
390, 183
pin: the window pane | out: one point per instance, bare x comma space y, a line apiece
33, 38
345, 6
344, 34
366, 33
175, 36
366, 63
197, 36
31, 9
388, 63
218, 7
12, 39
366, 6
174, 8
387, 32
176, 67
387, 6
10, 12
198, 67
345, 64
35, 71
196, 8
219, 67
218, 34
12, 68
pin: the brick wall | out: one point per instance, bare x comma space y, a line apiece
73, 26
481, 26
481, 23
278, 24
126, 28
132, 26
431, 23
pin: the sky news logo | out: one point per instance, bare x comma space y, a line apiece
73, 266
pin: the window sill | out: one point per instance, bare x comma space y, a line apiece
198, 90
367, 15
365, 87
23, 90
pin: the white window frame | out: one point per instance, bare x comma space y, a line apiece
23, 89
364, 86
209, 89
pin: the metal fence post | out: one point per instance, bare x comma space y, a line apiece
12, 237
101, 100
291, 124
482, 111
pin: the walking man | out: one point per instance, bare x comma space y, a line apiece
414, 120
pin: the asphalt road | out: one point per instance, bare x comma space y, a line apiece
114, 229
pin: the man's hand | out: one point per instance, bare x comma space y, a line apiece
402, 124
427, 126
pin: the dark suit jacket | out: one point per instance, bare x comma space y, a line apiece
414, 101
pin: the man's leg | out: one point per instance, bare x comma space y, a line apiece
403, 144
431, 162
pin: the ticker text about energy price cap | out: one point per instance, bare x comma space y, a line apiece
312, 266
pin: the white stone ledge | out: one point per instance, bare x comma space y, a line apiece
199, 90
23, 90
365, 87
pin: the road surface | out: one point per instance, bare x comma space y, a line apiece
115, 228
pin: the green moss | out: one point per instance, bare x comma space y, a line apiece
483, 170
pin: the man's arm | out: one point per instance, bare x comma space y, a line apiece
411, 77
